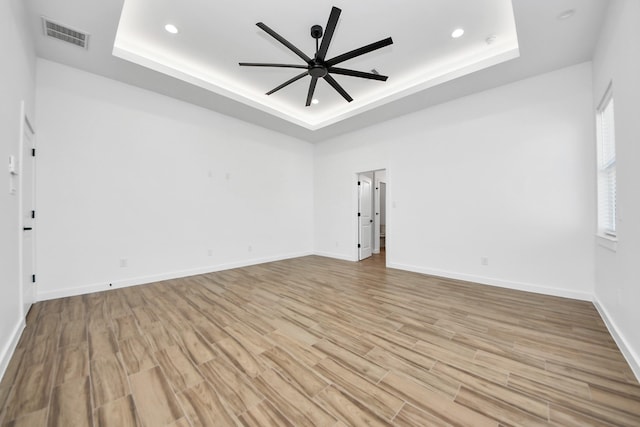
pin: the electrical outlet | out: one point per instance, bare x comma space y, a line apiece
484, 260
250, 248
210, 252
124, 262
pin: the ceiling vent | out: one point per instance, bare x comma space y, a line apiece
57, 31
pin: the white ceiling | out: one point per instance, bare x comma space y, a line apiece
213, 38
425, 65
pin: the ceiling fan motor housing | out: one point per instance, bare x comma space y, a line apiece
316, 31
317, 70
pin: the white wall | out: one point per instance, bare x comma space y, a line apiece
507, 174
127, 173
617, 289
17, 77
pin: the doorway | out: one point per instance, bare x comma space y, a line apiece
27, 214
382, 238
371, 213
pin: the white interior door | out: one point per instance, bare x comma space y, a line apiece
27, 169
376, 213
365, 219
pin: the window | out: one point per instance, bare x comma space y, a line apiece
606, 167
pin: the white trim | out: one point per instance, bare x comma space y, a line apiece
25, 125
10, 347
26, 120
606, 97
606, 164
336, 256
631, 357
607, 242
627, 351
124, 283
520, 286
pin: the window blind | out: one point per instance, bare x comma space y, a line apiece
606, 167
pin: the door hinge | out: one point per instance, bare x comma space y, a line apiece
33, 214
358, 182
33, 152
33, 278
358, 245
358, 213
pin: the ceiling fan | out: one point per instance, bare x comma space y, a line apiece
319, 67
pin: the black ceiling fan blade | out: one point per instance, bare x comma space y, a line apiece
338, 88
328, 32
354, 73
284, 42
312, 88
287, 83
262, 64
360, 51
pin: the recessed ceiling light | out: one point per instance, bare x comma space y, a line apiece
171, 29
314, 101
457, 33
566, 14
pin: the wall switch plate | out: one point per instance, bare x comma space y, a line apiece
484, 260
13, 165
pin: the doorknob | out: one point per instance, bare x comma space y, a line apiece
370, 220
27, 228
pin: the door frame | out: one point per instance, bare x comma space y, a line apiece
376, 213
368, 177
25, 125
376, 218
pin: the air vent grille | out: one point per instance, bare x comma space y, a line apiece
61, 32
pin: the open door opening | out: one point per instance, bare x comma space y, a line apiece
365, 215
371, 213
382, 215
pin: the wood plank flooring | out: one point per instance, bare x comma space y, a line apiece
316, 341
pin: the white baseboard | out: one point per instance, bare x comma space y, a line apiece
520, 286
630, 355
99, 287
335, 256
627, 351
10, 346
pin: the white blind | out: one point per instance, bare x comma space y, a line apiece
606, 167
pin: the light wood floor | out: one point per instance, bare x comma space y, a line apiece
315, 341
